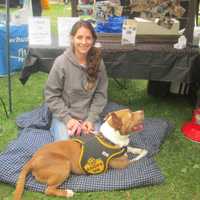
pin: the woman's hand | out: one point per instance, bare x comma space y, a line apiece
87, 127
73, 127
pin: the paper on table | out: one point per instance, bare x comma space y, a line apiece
64, 27
128, 32
39, 31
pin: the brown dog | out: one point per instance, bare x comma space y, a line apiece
53, 163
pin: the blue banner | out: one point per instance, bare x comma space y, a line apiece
18, 47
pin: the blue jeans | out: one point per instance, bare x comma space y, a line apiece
59, 130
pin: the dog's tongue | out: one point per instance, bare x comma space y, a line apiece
138, 127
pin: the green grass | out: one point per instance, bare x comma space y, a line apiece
178, 158
60, 10
54, 11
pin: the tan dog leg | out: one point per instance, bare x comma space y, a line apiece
56, 177
119, 163
52, 190
141, 153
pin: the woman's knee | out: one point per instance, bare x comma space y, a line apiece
58, 130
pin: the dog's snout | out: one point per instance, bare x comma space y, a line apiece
139, 112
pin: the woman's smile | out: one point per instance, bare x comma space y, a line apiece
82, 41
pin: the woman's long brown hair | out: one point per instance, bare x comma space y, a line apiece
94, 54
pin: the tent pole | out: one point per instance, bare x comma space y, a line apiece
8, 53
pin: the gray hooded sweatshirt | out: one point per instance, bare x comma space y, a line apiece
65, 94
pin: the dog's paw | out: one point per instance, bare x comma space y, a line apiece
143, 153
70, 193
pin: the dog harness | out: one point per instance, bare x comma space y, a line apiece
96, 153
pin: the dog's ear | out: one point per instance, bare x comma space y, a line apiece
115, 121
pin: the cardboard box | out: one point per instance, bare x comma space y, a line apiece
147, 27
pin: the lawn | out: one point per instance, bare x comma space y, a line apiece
178, 158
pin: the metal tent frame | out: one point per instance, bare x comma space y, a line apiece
8, 53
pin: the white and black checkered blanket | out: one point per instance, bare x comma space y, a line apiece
34, 132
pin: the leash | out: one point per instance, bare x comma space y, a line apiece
77, 130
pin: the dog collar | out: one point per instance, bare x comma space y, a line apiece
113, 135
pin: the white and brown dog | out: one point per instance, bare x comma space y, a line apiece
53, 163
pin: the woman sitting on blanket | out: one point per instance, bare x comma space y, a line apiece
76, 89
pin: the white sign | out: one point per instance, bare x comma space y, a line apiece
64, 27
39, 31
128, 32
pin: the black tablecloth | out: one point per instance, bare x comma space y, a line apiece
149, 61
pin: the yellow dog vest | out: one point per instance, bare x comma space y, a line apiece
96, 153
